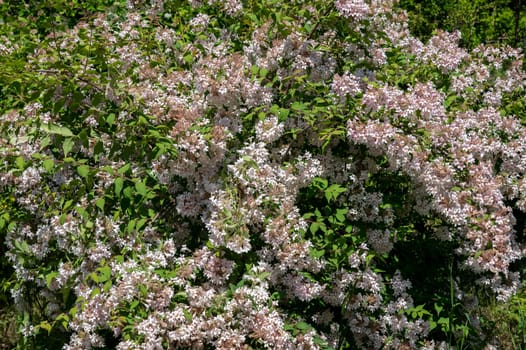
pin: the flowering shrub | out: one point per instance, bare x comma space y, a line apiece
238, 174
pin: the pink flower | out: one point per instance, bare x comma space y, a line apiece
354, 9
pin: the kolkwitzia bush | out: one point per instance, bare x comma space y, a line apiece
260, 175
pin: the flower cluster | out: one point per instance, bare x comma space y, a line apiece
211, 175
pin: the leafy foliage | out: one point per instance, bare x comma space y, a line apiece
256, 174
497, 22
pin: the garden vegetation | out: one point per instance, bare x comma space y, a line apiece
257, 174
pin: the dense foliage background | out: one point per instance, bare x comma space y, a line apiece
499, 22
262, 174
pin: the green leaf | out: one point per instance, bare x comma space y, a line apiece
263, 275
340, 214
110, 119
124, 169
49, 278
274, 109
46, 326
119, 182
46, 141
140, 223
187, 315
315, 253
48, 164
134, 304
308, 215
82, 212
298, 106
100, 203
180, 296
128, 192
83, 136
320, 183
141, 188
73, 311
67, 146
22, 246
443, 321
57, 130
104, 273
438, 308
83, 170
20, 163
131, 225
64, 320
450, 100
107, 286
314, 227
283, 114
303, 326
70, 160
333, 192
95, 277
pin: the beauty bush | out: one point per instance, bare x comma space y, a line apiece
258, 174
